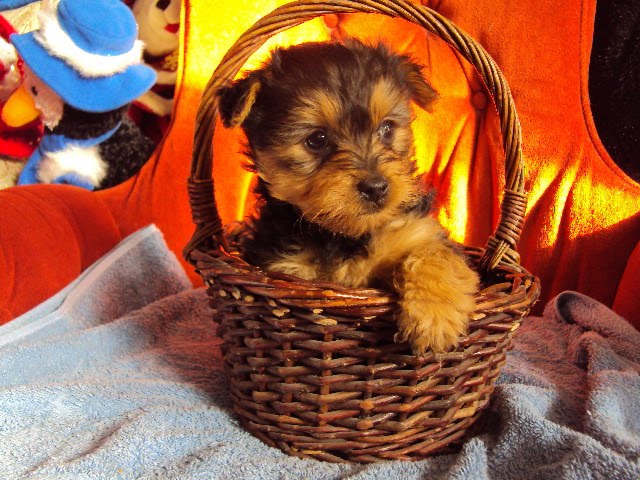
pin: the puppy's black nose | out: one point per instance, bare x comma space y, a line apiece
374, 189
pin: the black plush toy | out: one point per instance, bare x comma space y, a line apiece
124, 152
614, 81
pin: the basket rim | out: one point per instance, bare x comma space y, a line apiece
209, 232
510, 290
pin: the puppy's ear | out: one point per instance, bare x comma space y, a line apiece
422, 93
236, 100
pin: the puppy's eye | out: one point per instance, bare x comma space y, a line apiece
34, 90
387, 131
317, 141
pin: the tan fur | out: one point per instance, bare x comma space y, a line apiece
404, 251
328, 198
304, 265
320, 108
435, 285
437, 293
386, 101
421, 92
325, 193
245, 106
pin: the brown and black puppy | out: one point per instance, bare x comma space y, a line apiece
329, 136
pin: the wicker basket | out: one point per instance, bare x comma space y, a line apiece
312, 366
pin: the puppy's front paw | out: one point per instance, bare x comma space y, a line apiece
428, 325
437, 294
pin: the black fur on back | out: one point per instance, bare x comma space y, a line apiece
280, 229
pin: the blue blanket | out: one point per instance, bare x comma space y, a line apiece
119, 376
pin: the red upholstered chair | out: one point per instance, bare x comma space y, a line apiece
583, 220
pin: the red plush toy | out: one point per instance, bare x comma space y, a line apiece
17, 143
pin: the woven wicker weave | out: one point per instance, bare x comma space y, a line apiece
312, 366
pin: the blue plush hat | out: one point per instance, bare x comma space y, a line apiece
88, 53
11, 4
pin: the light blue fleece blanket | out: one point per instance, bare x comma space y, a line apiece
119, 377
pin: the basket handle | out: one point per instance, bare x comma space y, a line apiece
501, 246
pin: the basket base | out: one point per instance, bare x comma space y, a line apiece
313, 368
419, 445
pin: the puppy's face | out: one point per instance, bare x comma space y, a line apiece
329, 131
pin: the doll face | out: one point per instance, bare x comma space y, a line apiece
46, 100
158, 24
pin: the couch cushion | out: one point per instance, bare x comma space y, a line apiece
49, 234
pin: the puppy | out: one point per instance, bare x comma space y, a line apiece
329, 135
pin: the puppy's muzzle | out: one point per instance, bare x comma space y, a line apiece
374, 189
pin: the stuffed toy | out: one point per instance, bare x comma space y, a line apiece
19, 135
82, 73
158, 28
22, 14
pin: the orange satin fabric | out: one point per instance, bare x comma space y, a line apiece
583, 220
